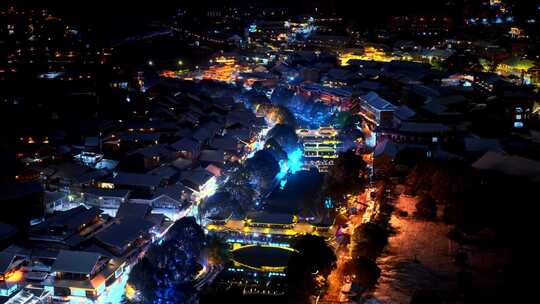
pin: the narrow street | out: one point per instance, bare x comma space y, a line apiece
366, 210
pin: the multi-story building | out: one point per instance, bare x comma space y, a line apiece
526, 70
81, 275
11, 275
327, 95
105, 198
320, 147
376, 110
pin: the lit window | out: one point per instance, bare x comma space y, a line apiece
78, 292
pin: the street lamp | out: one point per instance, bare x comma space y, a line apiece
180, 62
150, 63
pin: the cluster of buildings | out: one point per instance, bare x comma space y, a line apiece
420, 86
90, 210
55, 49
84, 208
80, 254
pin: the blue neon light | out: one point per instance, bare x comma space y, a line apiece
295, 160
328, 203
293, 164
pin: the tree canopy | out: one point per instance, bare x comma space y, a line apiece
262, 169
314, 258
167, 270
285, 136
275, 114
347, 175
368, 240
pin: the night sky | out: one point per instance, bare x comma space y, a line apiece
124, 14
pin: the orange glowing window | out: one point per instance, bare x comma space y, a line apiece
15, 276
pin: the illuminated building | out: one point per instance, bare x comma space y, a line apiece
132, 181
201, 182
220, 73
260, 246
526, 70
89, 158
58, 201
31, 295
516, 32
269, 220
376, 110
225, 69
105, 198
264, 228
519, 107
370, 53
458, 80
376, 54
346, 56
488, 81
81, 275
11, 274
327, 95
320, 147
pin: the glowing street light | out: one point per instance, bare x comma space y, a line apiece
150, 63
180, 62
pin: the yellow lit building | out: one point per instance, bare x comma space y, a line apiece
346, 56
225, 69
320, 147
267, 224
370, 53
526, 70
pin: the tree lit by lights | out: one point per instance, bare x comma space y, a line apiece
282, 184
295, 161
292, 164
283, 169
